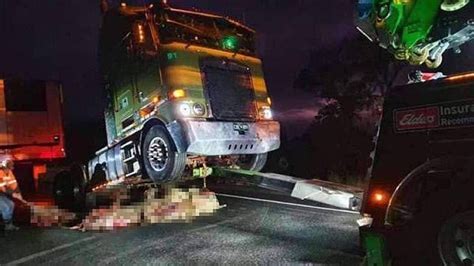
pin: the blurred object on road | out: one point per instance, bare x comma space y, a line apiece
179, 205
158, 206
112, 218
48, 216
176, 205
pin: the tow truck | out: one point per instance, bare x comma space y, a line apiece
420, 31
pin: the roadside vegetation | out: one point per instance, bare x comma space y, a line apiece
350, 82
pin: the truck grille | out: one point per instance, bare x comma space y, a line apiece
229, 89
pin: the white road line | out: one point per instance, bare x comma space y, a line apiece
49, 251
287, 203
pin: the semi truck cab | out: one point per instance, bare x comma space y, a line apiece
181, 86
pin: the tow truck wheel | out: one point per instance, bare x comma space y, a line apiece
456, 240
161, 160
252, 162
442, 233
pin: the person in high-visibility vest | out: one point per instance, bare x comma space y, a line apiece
8, 189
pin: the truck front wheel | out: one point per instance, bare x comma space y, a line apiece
69, 189
161, 160
252, 162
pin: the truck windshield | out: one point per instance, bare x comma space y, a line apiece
205, 30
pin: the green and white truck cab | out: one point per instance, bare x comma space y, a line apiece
181, 86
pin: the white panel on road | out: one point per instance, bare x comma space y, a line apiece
332, 194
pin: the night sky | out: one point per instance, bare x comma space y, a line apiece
58, 39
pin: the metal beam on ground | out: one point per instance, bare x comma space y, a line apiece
329, 193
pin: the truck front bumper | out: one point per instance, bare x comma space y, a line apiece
212, 138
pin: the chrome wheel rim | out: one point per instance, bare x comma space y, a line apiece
456, 240
158, 154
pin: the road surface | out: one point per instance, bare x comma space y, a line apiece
265, 230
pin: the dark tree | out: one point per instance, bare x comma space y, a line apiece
351, 81
354, 74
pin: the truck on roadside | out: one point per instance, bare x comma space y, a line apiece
31, 129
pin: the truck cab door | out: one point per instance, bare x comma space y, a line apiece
139, 78
148, 82
122, 90
147, 71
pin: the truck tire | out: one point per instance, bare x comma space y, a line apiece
253, 162
455, 239
78, 179
69, 189
161, 160
431, 235
61, 189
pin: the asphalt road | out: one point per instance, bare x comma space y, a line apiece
248, 230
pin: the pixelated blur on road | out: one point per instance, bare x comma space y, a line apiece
275, 230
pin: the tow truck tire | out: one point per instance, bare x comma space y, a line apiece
161, 160
456, 239
253, 162
425, 231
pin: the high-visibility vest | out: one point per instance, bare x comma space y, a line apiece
8, 180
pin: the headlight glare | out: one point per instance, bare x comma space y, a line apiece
266, 113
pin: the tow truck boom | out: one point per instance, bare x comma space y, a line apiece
418, 31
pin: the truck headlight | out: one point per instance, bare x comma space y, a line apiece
198, 109
266, 113
184, 109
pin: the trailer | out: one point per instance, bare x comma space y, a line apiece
31, 128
